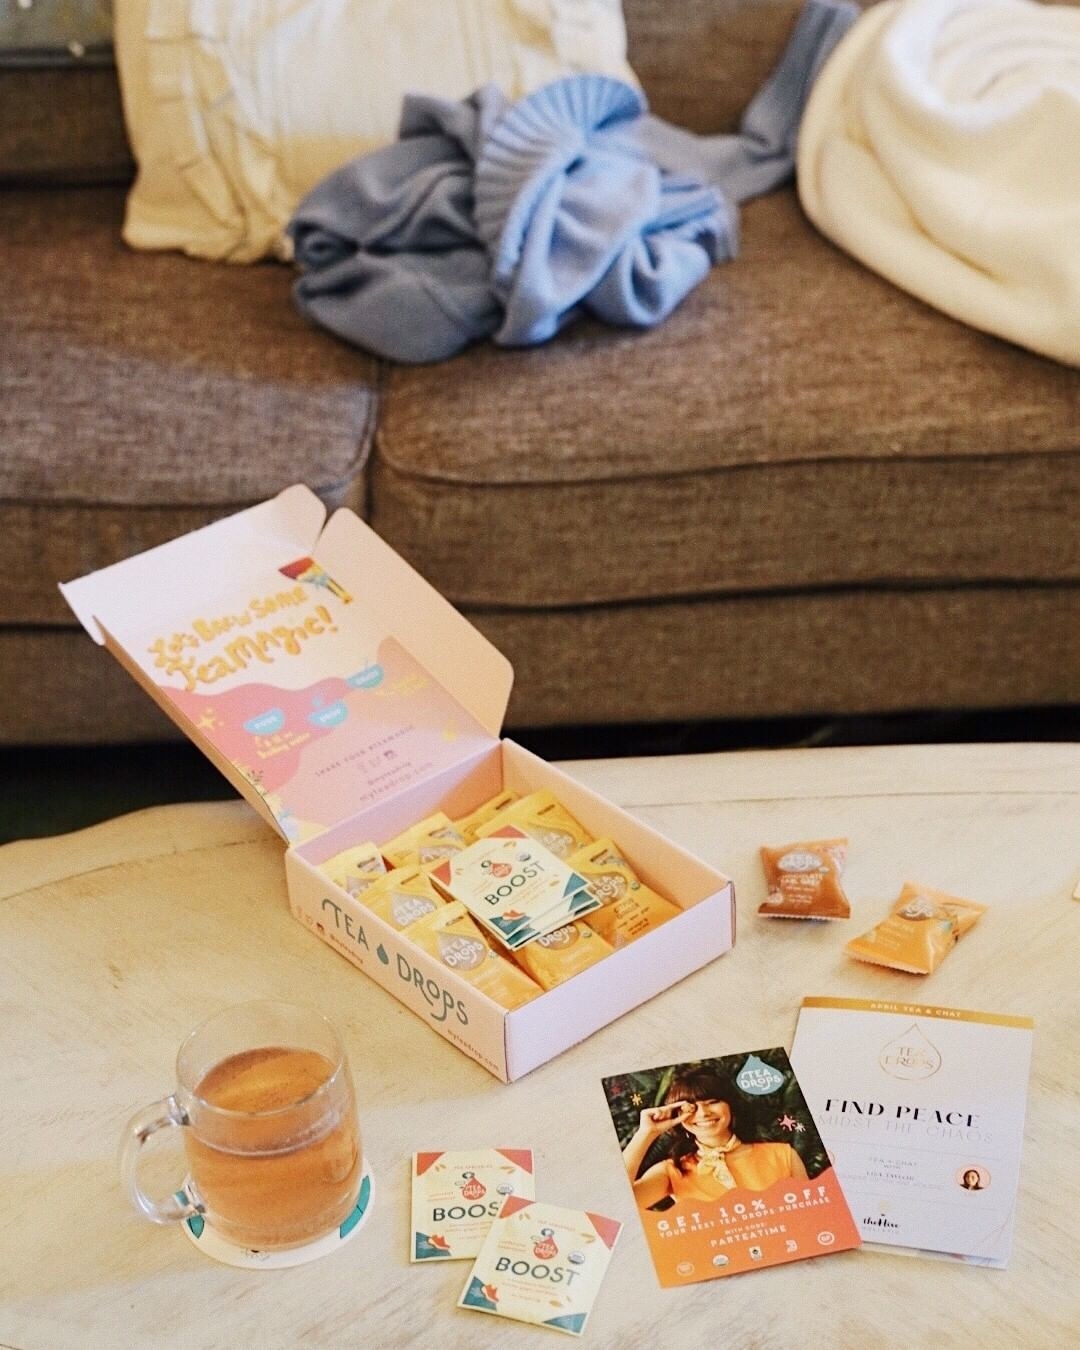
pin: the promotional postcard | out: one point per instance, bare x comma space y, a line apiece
922, 1111
727, 1167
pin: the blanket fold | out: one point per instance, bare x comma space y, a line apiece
941, 147
492, 219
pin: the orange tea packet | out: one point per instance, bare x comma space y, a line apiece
356, 868
402, 896
468, 825
428, 841
544, 818
452, 937
556, 956
630, 908
922, 928
804, 880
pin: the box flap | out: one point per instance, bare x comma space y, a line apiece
401, 601
162, 580
315, 668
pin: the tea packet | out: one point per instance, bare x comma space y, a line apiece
542, 1264
922, 928
514, 887
456, 1196
557, 956
468, 825
426, 842
629, 908
543, 818
402, 896
454, 940
355, 869
803, 880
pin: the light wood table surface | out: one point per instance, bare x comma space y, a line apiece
116, 940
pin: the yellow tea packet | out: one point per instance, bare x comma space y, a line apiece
452, 937
402, 896
456, 1196
544, 818
356, 868
630, 908
557, 956
542, 1264
468, 825
922, 928
803, 880
427, 841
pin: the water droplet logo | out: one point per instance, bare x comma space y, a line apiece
473, 1189
380, 952
758, 1079
910, 1056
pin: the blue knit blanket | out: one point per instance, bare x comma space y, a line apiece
508, 220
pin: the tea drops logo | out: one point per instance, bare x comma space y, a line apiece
471, 1188
758, 1078
799, 860
910, 1056
544, 1246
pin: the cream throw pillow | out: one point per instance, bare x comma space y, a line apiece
237, 108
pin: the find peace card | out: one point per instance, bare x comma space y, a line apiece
922, 1110
455, 1197
542, 1264
727, 1167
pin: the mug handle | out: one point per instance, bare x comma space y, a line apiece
161, 1115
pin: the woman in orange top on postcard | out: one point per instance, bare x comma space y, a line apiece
707, 1158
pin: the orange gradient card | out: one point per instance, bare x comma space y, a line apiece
727, 1167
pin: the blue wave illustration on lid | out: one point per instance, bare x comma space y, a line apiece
367, 678
265, 723
331, 716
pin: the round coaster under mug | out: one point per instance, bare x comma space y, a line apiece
212, 1244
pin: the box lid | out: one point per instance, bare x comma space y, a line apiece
305, 657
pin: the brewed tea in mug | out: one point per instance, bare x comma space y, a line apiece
266, 1101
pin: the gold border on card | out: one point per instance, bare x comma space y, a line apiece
920, 1010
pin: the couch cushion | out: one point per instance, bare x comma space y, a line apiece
141, 396
62, 125
128, 379
702, 61
798, 422
746, 656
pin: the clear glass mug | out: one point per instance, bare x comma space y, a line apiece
265, 1099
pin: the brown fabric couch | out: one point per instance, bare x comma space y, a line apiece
805, 492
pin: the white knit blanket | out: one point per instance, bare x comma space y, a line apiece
941, 147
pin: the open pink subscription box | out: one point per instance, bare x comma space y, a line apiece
450, 684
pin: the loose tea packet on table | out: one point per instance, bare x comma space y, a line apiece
803, 880
922, 928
